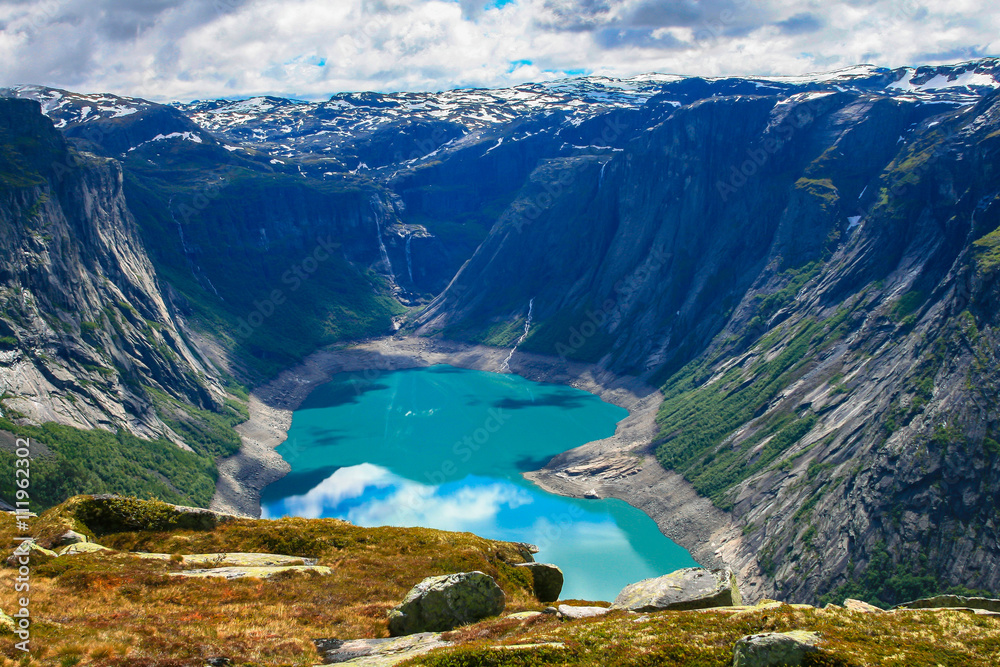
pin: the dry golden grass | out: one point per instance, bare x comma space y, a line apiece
117, 609
122, 611
705, 639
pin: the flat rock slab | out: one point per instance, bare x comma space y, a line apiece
690, 588
775, 648
378, 652
952, 601
574, 613
82, 548
444, 602
850, 604
257, 572
234, 559
523, 615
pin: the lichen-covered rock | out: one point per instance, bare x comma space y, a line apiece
7, 624
256, 572
31, 549
441, 603
232, 559
775, 648
378, 652
70, 537
690, 588
547, 580
952, 602
82, 548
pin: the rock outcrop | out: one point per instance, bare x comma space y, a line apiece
690, 588
547, 580
775, 649
445, 602
378, 652
953, 602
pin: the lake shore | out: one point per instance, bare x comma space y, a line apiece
621, 466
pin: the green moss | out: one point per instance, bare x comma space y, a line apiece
907, 305
822, 189
986, 252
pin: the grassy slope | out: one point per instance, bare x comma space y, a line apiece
120, 610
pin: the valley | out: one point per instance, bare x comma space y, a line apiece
790, 283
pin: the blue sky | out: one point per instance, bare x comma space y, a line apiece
186, 49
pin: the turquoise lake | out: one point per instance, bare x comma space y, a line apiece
443, 447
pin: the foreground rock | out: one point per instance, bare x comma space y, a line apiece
378, 652
70, 537
690, 588
574, 613
256, 572
82, 548
547, 580
952, 602
30, 549
775, 648
441, 603
234, 559
850, 604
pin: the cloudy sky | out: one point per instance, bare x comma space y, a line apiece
188, 49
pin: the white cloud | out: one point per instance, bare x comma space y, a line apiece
185, 49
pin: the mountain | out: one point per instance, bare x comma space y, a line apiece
806, 266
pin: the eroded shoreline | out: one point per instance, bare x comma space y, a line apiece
621, 466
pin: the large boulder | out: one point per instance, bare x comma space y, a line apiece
441, 603
775, 648
690, 588
547, 580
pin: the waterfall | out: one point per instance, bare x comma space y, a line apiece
600, 179
505, 366
409, 258
376, 209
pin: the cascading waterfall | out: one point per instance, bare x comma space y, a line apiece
505, 366
600, 179
409, 258
376, 210
189, 254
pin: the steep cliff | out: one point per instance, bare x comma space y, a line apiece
136, 287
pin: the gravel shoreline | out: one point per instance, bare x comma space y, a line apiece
621, 466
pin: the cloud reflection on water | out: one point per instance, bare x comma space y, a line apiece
370, 495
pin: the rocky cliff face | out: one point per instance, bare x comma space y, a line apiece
809, 276
84, 319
